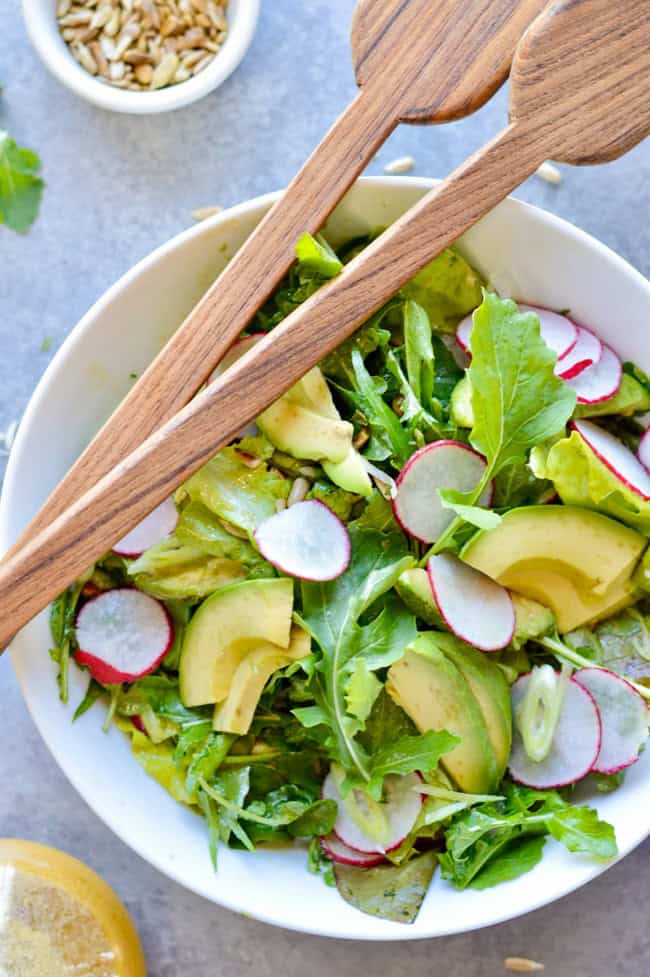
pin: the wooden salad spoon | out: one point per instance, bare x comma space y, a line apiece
580, 82
415, 61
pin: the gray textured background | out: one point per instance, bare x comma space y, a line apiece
117, 187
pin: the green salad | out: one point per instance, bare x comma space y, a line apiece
402, 616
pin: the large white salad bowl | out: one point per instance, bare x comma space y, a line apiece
526, 253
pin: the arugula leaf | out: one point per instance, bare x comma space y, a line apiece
418, 351
409, 754
62, 617
331, 613
473, 514
393, 892
389, 437
371, 336
361, 690
94, 691
20, 185
447, 375
515, 859
492, 831
515, 485
517, 400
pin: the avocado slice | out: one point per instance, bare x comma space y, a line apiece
312, 392
414, 588
574, 560
349, 474
302, 433
228, 625
488, 685
435, 695
235, 713
532, 619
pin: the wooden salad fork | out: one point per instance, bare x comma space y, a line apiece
579, 94
415, 61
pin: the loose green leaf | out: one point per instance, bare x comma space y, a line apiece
517, 400
390, 437
20, 185
315, 256
473, 514
515, 859
418, 351
409, 754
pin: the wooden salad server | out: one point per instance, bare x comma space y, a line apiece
415, 61
579, 94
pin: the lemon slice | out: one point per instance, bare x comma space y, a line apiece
58, 918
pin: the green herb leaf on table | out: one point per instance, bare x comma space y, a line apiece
20, 185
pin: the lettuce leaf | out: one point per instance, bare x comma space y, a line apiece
448, 289
241, 495
581, 478
174, 570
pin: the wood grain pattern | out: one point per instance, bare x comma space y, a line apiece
545, 122
405, 72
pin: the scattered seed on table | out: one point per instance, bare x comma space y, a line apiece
522, 965
404, 164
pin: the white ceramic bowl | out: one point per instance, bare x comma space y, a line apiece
532, 255
40, 20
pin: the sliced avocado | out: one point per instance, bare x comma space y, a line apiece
488, 685
235, 713
571, 606
590, 549
228, 625
349, 474
304, 434
312, 392
462, 413
630, 398
415, 590
434, 694
532, 619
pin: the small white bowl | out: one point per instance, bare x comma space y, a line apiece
43, 30
531, 255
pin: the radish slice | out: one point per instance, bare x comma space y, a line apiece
472, 605
236, 351
306, 540
443, 464
338, 852
586, 350
576, 743
158, 525
395, 815
558, 332
624, 716
600, 381
122, 635
616, 457
643, 451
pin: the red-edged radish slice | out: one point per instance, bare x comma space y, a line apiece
616, 456
576, 743
464, 332
122, 635
338, 852
154, 528
236, 351
558, 332
643, 451
306, 540
472, 605
600, 381
586, 350
443, 464
139, 725
624, 716
394, 815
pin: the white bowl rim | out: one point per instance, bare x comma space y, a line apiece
63, 66
229, 899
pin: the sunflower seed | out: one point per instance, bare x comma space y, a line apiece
549, 173
404, 164
522, 965
144, 73
298, 491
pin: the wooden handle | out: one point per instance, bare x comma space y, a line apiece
232, 301
48, 563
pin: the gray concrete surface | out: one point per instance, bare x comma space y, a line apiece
118, 186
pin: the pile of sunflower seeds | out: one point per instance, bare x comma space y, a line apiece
143, 44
